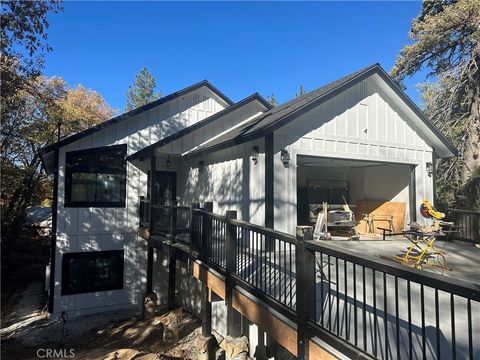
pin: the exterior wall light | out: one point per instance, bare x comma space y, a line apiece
285, 157
254, 155
430, 169
201, 165
168, 164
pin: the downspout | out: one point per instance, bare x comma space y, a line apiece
269, 182
53, 241
413, 194
434, 178
153, 171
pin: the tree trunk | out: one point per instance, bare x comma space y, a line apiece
17, 207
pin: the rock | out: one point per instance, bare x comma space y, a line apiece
171, 326
170, 332
236, 348
149, 356
207, 347
149, 305
122, 354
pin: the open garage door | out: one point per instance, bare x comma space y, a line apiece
368, 187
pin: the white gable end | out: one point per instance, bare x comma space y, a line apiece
152, 125
361, 121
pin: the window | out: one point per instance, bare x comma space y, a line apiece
92, 271
96, 177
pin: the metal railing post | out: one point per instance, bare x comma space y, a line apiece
230, 253
234, 318
305, 292
206, 229
194, 227
173, 222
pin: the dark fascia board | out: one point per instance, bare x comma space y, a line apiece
134, 112
400, 93
149, 150
376, 68
286, 119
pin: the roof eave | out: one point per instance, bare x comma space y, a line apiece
134, 112
149, 150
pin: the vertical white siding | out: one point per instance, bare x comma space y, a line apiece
359, 123
230, 180
88, 229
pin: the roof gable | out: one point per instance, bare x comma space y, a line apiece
289, 111
127, 115
149, 150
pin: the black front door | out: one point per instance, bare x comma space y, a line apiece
165, 187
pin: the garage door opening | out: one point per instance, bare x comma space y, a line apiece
377, 193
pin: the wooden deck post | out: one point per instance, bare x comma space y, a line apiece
149, 268
234, 318
172, 272
206, 311
305, 292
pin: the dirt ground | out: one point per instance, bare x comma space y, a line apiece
31, 256
107, 336
27, 332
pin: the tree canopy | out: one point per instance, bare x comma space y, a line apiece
446, 40
272, 100
301, 91
23, 41
142, 91
48, 103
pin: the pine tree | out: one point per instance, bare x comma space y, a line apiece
142, 90
445, 40
301, 91
272, 99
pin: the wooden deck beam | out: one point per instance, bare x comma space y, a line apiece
277, 326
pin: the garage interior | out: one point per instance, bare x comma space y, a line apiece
377, 193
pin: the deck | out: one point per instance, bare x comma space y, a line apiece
351, 293
463, 259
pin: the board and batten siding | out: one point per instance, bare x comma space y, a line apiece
360, 123
203, 134
93, 228
230, 180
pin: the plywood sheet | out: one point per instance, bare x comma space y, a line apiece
396, 209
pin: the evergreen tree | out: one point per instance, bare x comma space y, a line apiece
142, 90
445, 39
301, 91
272, 99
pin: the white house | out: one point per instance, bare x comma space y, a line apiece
360, 135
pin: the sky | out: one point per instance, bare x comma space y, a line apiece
241, 48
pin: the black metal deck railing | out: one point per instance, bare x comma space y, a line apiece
359, 304
393, 311
468, 224
144, 212
168, 221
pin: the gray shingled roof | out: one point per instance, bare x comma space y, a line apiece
274, 118
282, 114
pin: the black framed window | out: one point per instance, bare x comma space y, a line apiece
96, 177
91, 271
